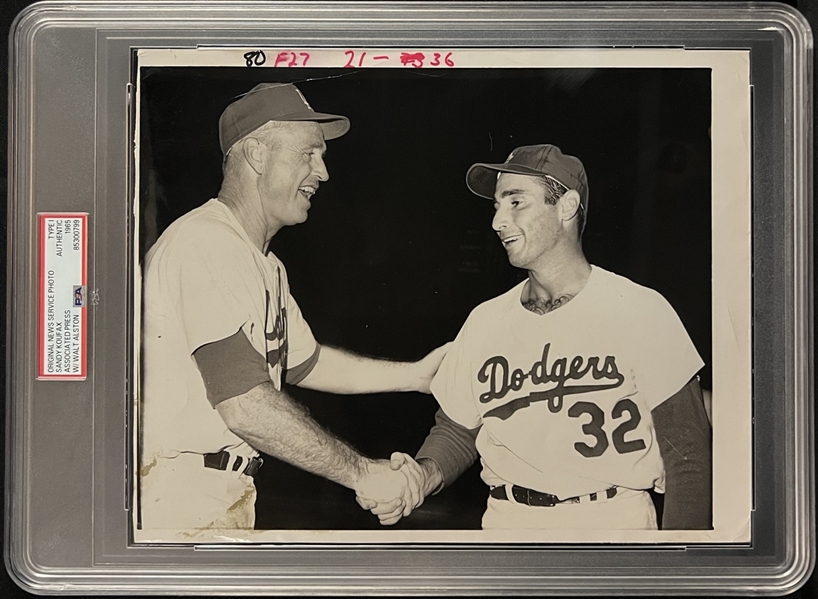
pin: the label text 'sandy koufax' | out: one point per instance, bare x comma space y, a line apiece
63, 296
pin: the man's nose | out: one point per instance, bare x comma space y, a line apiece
319, 169
500, 220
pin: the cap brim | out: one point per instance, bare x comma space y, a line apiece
333, 125
481, 178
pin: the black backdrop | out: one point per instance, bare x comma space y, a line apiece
397, 251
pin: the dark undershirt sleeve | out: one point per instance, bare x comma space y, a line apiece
684, 436
451, 446
230, 367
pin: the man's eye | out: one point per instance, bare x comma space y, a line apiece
515, 203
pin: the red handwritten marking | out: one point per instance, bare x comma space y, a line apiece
287, 58
417, 59
447, 59
282, 57
351, 55
414, 59
380, 58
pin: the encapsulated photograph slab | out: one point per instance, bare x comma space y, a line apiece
442, 296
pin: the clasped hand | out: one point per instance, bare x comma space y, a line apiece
392, 489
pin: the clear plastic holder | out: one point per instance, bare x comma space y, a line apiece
80, 99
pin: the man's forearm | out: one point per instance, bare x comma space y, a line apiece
433, 476
342, 372
275, 424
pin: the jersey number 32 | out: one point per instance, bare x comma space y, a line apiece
594, 427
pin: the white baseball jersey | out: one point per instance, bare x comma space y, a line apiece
204, 281
564, 398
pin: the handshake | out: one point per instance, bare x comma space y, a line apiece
392, 489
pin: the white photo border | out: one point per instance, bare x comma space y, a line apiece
731, 286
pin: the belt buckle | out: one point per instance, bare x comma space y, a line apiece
533, 498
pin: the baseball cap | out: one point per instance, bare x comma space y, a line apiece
539, 160
273, 102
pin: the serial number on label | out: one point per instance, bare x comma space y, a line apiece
63, 296
349, 58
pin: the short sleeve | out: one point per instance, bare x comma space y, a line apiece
210, 281
667, 358
453, 386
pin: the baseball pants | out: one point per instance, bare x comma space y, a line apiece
181, 494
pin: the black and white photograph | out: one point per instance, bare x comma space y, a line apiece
452, 296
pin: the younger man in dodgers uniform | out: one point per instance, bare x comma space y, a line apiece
221, 332
578, 386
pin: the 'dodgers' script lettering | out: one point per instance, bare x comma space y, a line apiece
501, 379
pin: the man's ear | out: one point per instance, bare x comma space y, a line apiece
569, 205
253, 152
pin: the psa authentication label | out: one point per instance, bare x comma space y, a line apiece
63, 296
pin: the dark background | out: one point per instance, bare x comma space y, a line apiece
396, 251
8, 10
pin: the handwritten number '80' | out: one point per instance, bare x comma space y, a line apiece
594, 427
255, 58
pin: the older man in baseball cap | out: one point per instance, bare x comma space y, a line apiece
221, 333
578, 388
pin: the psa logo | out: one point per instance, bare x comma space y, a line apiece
79, 296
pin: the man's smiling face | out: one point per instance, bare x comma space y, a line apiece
294, 170
528, 226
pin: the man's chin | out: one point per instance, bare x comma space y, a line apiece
303, 212
296, 220
518, 261
514, 258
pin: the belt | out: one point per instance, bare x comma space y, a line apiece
221, 460
537, 499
